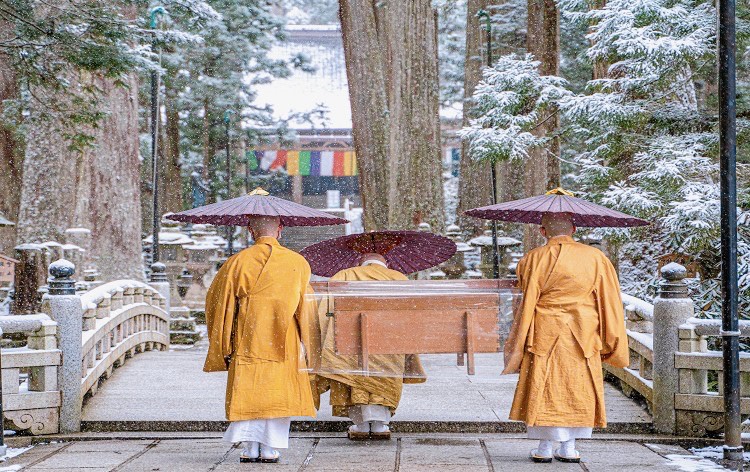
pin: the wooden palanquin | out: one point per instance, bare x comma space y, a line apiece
419, 317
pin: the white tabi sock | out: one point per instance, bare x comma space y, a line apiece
360, 428
545, 448
568, 448
252, 449
267, 452
379, 427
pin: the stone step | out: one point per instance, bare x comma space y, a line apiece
182, 324
184, 337
336, 426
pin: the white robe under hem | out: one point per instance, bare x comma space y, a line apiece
360, 414
271, 432
558, 433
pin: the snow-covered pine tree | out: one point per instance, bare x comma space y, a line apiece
221, 74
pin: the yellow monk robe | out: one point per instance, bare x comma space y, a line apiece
570, 320
348, 389
257, 313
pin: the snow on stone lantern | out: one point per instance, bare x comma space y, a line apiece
455, 267
504, 244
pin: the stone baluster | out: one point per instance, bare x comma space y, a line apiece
103, 307
672, 308
65, 309
127, 297
116, 299
138, 295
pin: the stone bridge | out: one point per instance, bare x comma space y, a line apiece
64, 378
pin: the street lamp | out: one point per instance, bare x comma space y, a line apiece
155, 12
495, 256
230, 228
730, 330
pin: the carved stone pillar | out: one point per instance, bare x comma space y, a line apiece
672, 307
65, 308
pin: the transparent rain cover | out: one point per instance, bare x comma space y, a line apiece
379, 328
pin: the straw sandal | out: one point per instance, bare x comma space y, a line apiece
539, 459
245, 459
271, 460
562, 458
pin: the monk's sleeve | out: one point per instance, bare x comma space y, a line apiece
612, 319
221, 306
523, 317
309, 328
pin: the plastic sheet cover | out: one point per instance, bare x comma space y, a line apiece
379, 328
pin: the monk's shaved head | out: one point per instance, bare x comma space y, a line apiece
557, 224
372, 256
261, 226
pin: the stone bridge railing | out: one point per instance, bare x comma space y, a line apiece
120, 319
672, 364
31, 398
76, 345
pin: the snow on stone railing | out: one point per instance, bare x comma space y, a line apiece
31, 397
98, 330
637, 378
699, 401
120, 319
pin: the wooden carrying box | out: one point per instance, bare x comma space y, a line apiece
416, 317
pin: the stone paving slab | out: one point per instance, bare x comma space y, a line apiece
171, 386
404, 453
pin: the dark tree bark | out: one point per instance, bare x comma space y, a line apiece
97, 189
109, 186
475, 185
170, 178
391, 56
542, 170
11, 161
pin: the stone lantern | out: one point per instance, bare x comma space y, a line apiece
455, 267
504, 244
184, 283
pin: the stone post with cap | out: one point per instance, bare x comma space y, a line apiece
65, 308
160, 282
672, 307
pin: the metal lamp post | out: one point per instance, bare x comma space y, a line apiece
495, 256
730, 330
230, 229
154, 141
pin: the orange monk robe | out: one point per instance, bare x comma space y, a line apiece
257, 313
570, 320
388, 372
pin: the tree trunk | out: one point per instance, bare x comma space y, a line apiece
415, 118
391, 55
50, 174
365, 65
543, 166
475, 185
11, 161
170, 171
108, 189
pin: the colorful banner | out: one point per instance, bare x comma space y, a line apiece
313, 163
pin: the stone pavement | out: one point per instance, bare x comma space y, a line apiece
171, 387
408, 453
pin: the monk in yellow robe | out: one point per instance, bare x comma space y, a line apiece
369, 401
570, 320
257, 315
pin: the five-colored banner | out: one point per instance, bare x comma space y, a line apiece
317, 163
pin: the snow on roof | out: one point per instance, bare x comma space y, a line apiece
303, 91
168, 237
